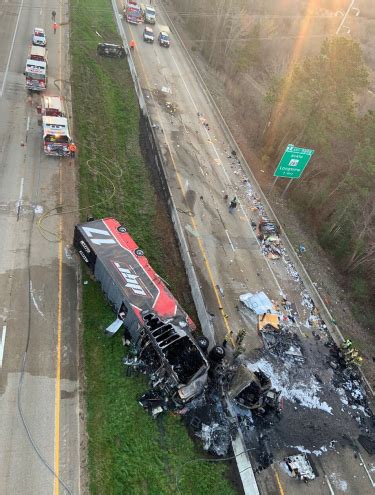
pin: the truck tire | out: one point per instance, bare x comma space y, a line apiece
203, 343
217, 354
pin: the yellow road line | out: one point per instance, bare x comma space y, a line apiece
229, 334
278, 482
56, 483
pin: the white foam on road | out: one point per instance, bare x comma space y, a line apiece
305, 393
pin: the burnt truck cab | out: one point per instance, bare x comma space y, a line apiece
159, 330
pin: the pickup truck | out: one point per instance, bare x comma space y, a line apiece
148, 35
163, 38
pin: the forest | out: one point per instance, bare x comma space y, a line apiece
294, 79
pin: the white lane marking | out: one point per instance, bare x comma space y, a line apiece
367, 471
34, 301
41, 11
329, 485
229, 239
27, 127
201, 170
19, 202
227, 177
11, 50
2, 344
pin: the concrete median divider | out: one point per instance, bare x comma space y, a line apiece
238, 445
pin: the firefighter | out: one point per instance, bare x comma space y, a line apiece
240, 336
358, 361
350, 356
346, 344
233, 204
132, 44
72, 149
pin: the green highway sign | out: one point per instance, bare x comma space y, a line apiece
293, 162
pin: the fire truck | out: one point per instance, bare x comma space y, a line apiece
133, 12
56, 137
38, 53
36, 75
52, 106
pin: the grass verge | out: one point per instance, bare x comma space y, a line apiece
128, 452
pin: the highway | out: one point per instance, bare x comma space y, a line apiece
39, 403
204, 174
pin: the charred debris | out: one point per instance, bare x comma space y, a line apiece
186, 375
217, 393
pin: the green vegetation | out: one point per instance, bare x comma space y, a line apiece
315, 106
128, 452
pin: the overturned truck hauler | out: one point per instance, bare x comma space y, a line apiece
154, 322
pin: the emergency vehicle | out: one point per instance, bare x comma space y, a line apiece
133, 12
38, 53
56, 136
52, 106
36, 75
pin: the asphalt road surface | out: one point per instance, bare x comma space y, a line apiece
202, 172
38, 283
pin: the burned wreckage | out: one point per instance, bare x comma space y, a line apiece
157, 328
158, 332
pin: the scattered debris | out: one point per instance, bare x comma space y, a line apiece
171, 107
268, 322
368, 443
298, 466
258, 302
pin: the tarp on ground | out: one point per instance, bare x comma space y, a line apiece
259, 302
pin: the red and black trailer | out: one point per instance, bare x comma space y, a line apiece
158, 327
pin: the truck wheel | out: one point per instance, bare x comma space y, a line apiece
203, 343
122, 229
139, 252
217, 353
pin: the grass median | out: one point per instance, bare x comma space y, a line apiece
128, 451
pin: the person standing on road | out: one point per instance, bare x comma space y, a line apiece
54, 25
72, 149
132, 44
54, 15
233, 204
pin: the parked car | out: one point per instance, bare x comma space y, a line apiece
39, 37
110, 50
164, 39
148, 35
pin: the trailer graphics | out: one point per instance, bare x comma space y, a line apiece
154, 323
